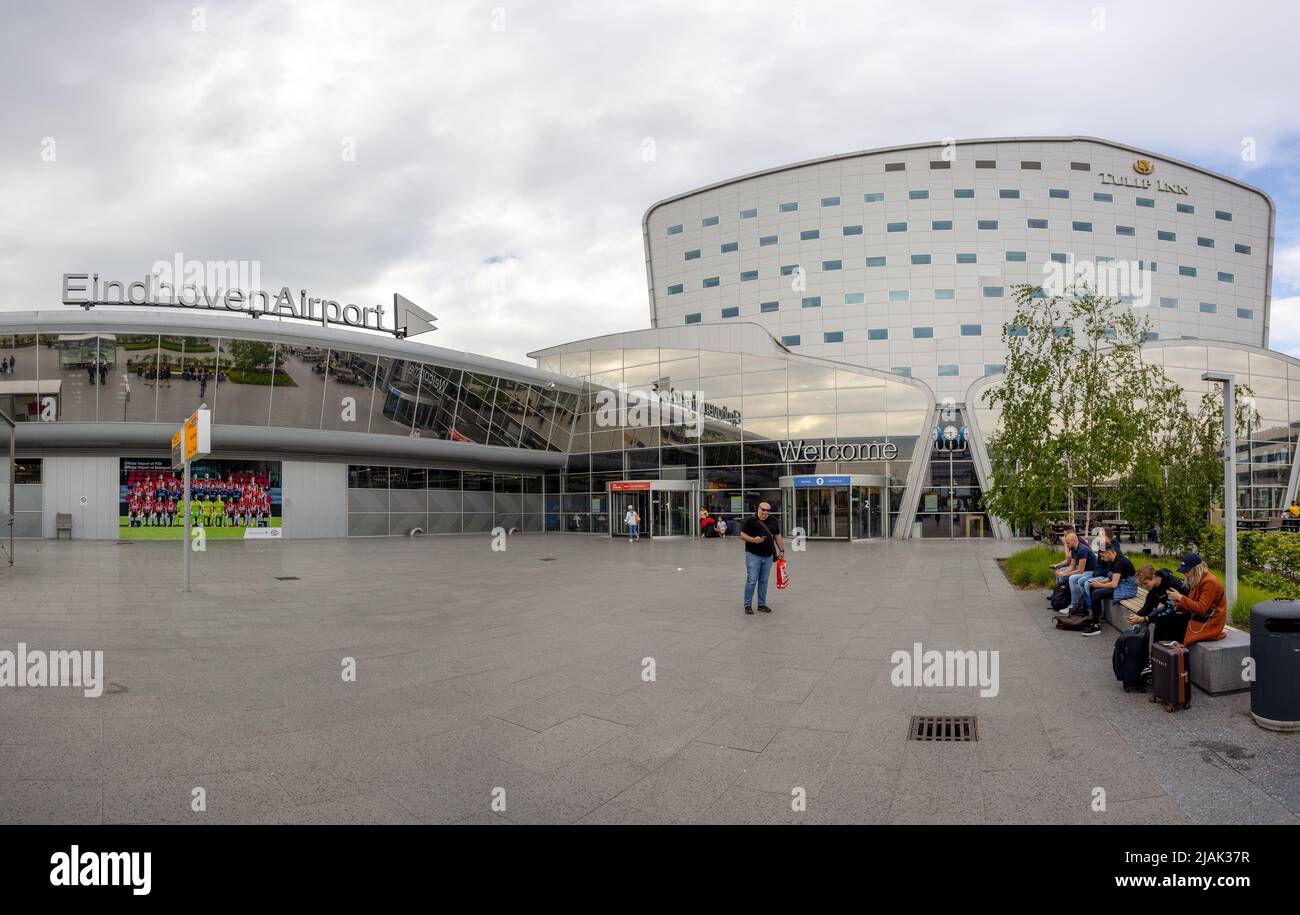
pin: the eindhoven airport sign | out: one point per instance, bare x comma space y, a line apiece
86, 291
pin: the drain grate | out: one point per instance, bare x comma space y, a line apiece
287, 578
943, 727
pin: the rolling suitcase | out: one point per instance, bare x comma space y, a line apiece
1129, 659
1169, 681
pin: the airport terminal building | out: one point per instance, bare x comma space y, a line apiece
820, 337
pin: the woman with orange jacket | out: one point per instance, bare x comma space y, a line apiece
1206, 605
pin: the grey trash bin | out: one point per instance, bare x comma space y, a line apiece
1275, 648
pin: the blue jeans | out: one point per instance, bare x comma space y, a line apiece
757, 570
632, 533
1077, 586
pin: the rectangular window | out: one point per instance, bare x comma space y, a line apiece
876, 197
1150, 335
1209, 308
1186, 208
832, 265
787, 207
1187, 271
709, 221
965, 258
810, 234
748, 275
1145, 202
1205, 242
1226, 277
693, 255
790, 340
994, 368
904, 370
920, 259
1223, 214
940, 163
853, 230
986, 163
674, 230
941, 225
710, 282
730, 246
1034, 166
878, 333
1164, 235
769, 307
1081, 226
918, 195
833, 336
1037, 223
964, 193
986, 224
875, 262
1016, 256
922, 333
1063, 331
731, 312
1147, 265
675, 289
812, 301
1125, 230
1241, 249
947, 371
972, 330
766, 240
830, 201
1059, 258
1081, 166
899, 295
992, 292
855, 298
1058, 193
1009, 194
789, 269
1017, 330
748, 214
895, 166
1099, 197
693, 319
945, 295
1245, 313
896, 227
1168, 302
1105, 259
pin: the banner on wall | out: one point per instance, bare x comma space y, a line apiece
230, 500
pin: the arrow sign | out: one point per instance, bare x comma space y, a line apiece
410, 319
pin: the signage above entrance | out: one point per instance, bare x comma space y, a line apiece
630, 486
824, 480
849, 451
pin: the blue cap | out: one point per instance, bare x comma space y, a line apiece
1190, 561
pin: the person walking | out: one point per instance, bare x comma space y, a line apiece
763, 545
633, 520
203, 384
103, 373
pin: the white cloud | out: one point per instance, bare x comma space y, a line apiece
1284, 330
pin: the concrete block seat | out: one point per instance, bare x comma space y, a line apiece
1215, 667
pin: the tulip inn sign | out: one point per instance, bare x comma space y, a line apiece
1143, 167
87, 291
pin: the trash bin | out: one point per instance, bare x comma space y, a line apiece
1275, 648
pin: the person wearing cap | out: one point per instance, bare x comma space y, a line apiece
1207, 604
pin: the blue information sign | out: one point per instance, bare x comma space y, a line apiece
827, 480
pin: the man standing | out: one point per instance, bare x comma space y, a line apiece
763, 544
632, 519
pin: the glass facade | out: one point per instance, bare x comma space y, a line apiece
385, 501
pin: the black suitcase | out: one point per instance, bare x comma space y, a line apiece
1060, 598
1129, 659
1169, 680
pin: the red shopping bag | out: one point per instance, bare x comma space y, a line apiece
782, 574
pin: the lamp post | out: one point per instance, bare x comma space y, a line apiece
1229, 382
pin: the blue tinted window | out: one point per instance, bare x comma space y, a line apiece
919, 259
787, 207
1186, 208
1082, 226
789, 269
766, 240
1015, 255
947, 371
972, 330
904, 370
1058, 193
831, 265
693, 255
1150, 335
675, 289
896, 227
855, 298
673, 230
1145, 202
941, 225
1223, 214
1099, 197
922, 333
731, 312
1168, 302
875, 262
1125, 230
830, 201
748, 214
853, 230
878, 333
987, 224
1187, 271
1037, 223
748, 275
1226, 277
994, 368
766, 307
1064, 331
1060, 258
810, 234
1205, 242
1245, 313
833, 336
693, 319
730, 246
709, 221
1017, 330
945, 295
812, 301
790, 340
710, 282
1164, 235
1241, 249
965, 258
877, 197
898, 295
963, 193
1008, 194
918, 195
992, 292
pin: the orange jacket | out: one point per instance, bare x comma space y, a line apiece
1207, 597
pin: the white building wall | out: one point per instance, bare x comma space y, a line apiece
87, 489
315, 499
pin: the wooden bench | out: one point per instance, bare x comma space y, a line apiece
62, 522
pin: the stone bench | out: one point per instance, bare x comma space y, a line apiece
1215, 667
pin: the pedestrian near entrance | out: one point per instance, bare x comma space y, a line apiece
633, 523
763, 545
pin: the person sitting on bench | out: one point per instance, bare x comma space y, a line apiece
1121, 585
1168, 627
1206, 605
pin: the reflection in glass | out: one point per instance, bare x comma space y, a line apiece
347, 382
245, 373
141, 352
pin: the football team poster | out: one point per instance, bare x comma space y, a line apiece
228, 499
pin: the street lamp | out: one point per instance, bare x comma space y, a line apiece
1229, 382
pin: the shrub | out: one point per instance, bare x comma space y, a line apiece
1030, 568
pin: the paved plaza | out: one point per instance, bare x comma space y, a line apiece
523, 670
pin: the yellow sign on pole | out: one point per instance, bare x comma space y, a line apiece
198, 435
178, 456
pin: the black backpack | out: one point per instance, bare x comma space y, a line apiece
1061, 596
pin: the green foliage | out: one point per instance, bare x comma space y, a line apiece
1031, 568
254, 356
1247, 597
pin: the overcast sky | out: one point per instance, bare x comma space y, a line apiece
499, 173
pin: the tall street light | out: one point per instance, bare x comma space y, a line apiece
1229, 382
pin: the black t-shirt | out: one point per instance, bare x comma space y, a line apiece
753, 528
1124, 566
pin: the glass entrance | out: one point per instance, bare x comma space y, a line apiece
823, 512
866, 513
619, 502
672, 513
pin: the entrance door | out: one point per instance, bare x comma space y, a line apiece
618, 503
672, 512
823, 512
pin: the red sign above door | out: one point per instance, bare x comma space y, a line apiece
630, 486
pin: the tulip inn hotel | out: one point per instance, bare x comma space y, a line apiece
819, 337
